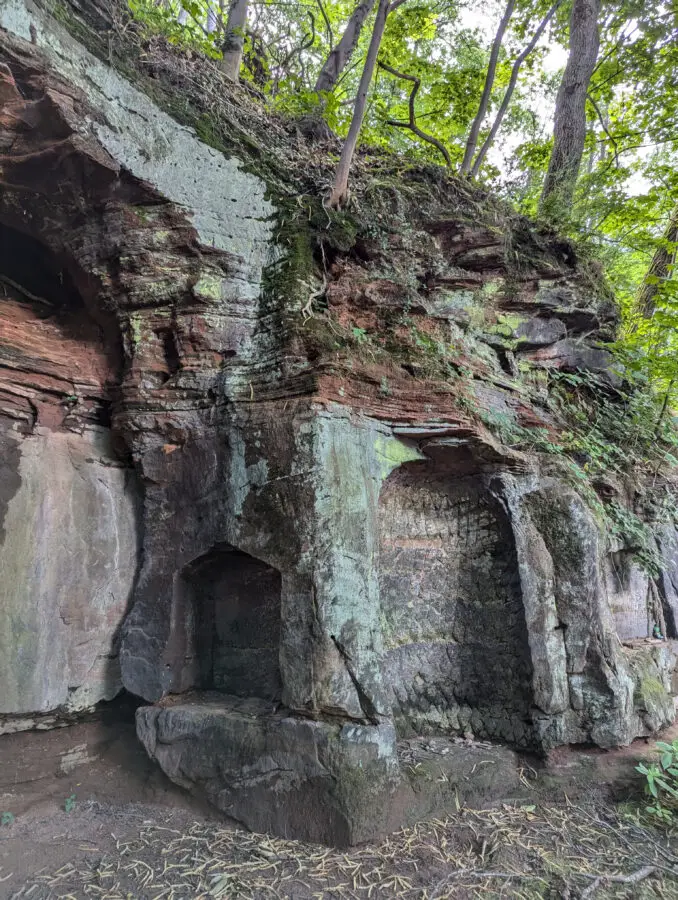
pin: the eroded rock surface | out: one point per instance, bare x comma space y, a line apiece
285, 526
68, 502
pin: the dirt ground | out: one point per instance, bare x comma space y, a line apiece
91, 816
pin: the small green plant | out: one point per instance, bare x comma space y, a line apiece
69, 803
360, 335
637, 536
662, 782
6, 818
384, 387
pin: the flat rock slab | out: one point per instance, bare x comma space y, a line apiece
338, 785
321, 781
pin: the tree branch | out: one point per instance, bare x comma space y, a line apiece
306, 42
615, 146
511, 87
340, 186
330, 33
197, 22
339, 56
472, 140
412, 124
633, 878
215, 18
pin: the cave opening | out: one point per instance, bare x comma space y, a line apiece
56, 323
34, 270
234, 610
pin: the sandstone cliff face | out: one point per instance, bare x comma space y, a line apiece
69, 502
244, 458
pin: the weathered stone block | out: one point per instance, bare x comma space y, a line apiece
316, 780
539, 333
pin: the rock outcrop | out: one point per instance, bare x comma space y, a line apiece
248, 467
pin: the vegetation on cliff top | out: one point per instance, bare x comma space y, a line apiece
488, 95
584, 139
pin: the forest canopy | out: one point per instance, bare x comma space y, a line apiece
565, 108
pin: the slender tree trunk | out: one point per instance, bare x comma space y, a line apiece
665, 406
661, 268
212, 20
182, 18
339, 57
234, 39
472, 140
569, 130
489, 140
340, 188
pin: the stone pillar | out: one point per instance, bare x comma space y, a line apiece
353, 456
583, 690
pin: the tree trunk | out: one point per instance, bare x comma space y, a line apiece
569, 130
340, 188
234, 39
338, 58
661, 268
482, 153
472, 141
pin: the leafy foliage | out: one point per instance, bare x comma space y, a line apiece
662, 782
163, 18
602, 434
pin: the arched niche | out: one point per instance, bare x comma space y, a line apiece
456, 649
232, 603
